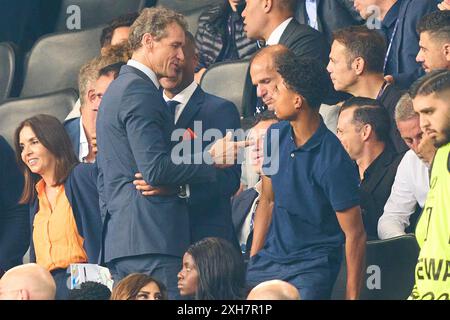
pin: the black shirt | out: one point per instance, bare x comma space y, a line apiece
389, 99
376, 188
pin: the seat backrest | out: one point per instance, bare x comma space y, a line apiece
14, 111
192, 19
389, 272
8, 64
226, 80
93, 13
184, 6
55, 61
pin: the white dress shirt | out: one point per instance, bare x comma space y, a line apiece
75, 112
149, 72
410, 187
83, 150
183, 98
276, 34
311, 10
245, 230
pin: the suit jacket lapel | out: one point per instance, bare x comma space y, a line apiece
301, 8
396, 45
244, 206
319, 5
290, 29
194, 105
127, 68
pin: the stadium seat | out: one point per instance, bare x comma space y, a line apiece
192, 19
94, 13
14, 111
226, 80
56, 59
184, 6
389, 272
8, 62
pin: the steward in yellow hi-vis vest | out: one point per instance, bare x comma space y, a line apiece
433, 234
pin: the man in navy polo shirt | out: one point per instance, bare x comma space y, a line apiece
309, 205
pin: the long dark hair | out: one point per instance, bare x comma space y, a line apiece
129, 287
221, 270
52, 135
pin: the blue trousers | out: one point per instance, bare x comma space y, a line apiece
163, 268
62, 282
314, 278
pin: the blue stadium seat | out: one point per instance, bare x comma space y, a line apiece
55, 61
8, 64
389, 272
94, 13
14, 111
184, 6
226, 80
192, 19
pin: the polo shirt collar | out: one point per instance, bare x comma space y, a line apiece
392, 15
316, 138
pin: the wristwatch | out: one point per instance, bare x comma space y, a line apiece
182, 193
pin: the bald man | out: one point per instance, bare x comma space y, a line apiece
27, 282
274, 290
263, 73
265, 77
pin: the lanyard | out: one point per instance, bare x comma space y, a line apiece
383, 88
390, 45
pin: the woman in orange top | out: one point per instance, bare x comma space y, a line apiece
64, 210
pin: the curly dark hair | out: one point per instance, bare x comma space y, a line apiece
90, 291
304, 76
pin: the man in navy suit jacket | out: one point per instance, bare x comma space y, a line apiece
134, 127
274, 23
399, 20
327, 16
208, 203
244, 205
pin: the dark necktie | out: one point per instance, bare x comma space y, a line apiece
172, 104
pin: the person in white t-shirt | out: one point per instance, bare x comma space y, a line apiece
411, 183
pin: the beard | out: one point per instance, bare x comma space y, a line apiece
444, 140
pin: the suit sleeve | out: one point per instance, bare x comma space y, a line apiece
144, 121
349, 6
410, 43
228, 180
311, 45
14, 218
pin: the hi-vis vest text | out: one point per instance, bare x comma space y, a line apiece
433, 235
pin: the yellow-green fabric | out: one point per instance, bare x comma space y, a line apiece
433, 235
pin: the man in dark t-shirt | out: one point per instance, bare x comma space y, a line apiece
309, 204
356, 67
